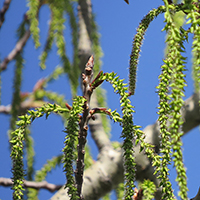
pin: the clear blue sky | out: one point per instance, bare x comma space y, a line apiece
117, 24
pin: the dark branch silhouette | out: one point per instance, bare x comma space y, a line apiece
5, 7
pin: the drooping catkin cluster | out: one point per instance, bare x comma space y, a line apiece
41, 174
171, 92
16, 101
137, 43
128, 132
33, 17
131, 133
194, 19
72, 130
17, 144
58, 10
17, 162
136, 46
19, 64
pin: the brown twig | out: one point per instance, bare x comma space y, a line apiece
18, 48
87, 92
85, 48
6, 5
20, 44
31, 184
127, 1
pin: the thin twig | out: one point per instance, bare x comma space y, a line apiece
20, 44
29, 103
6, 5
5, 109
18, 47
87, 92
85, 48
31, 184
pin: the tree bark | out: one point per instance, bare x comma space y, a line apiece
107, 172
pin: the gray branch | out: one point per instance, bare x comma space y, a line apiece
7, 182
107, 172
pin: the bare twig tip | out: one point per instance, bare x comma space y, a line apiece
90, 62
126, 1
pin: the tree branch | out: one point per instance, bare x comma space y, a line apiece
31, 184
85, 44
85, 51
6, 5
86, 13
29, 103
87, 92
20, 44
197, 197
107, 172
18, 48
5, 109
97, 131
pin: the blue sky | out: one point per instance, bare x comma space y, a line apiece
117, 23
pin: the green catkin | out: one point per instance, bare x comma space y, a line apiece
32, 16
42, 174
137, 43
30, 154
120, 191
128, 133
171, 88
194, 19
75, 72
149, 190
17, 144
16, 101
72, 129
106, 197
17, 138
58, 8
49, 42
